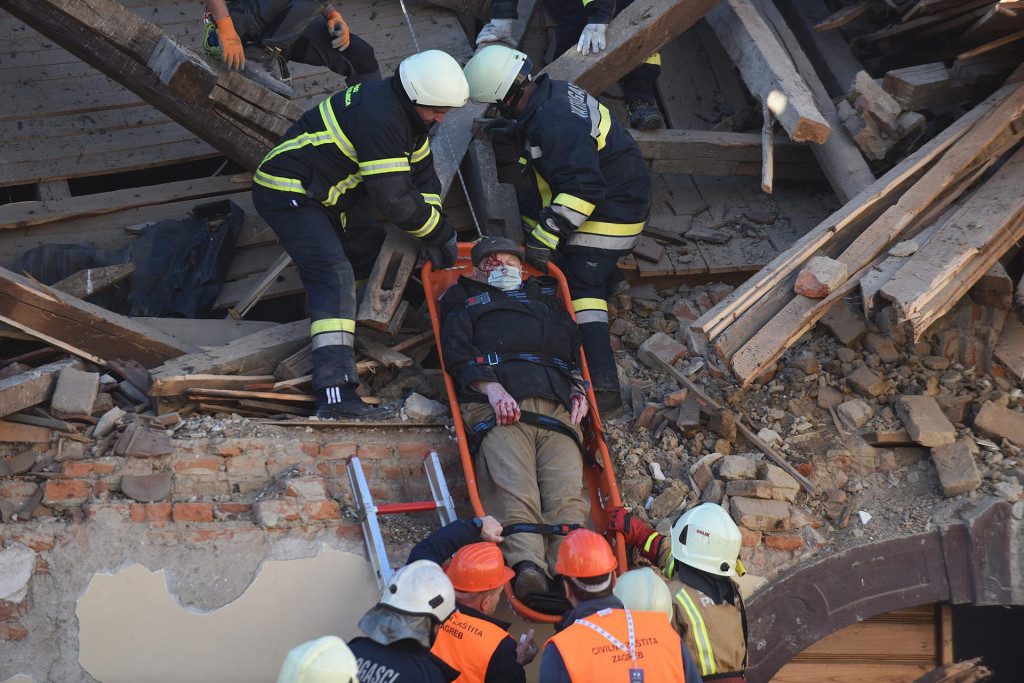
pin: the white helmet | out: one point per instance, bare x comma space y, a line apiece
705, 537
420, 588
643, 590
433, 79
324, 660
496, 72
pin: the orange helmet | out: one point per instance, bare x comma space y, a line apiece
478, 567
583, 554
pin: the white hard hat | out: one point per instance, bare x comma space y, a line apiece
433, 79
494, 72
705, 537
420, 588
324, 660
643, 590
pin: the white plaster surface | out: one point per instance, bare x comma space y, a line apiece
132, 630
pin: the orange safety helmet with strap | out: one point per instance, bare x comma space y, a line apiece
478, 567
584, 554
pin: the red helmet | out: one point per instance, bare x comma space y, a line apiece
584, 554
478, 567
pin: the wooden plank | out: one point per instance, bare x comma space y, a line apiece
22, 433
387, 357
768, 70
1009, 350
635, 34
283, 284
932, 23
266, 395
962, 249
32, 387
993, 45
878, 641
767, 151
176, 386
255, 354
85, 283
92, 329
842, 17
831, 55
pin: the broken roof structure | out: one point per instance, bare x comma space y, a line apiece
824, 325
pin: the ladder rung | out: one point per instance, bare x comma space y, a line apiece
395, 508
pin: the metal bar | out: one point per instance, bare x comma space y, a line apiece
439, 489
372, 536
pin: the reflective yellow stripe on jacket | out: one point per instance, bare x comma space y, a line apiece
704, 653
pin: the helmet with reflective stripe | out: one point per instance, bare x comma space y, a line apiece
585, 554
705, 537
497, 74
433, 79
643, 590
420, 588
324, 660
478, 567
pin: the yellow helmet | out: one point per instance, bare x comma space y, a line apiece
324, 660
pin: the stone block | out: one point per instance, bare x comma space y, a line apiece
750, 488
784, 486
422, 409
924, 421
713, 492
820, 277
685, 312
688, 419
997, 422
674, 399
75, 392
662, 347
760, 515
846, 324
865, 382
958, 473
734, 467
667, 502
723, 423
881, 346
147, 488
635, 490
309, 488
954, 407
277, 513
829, 397
855, 413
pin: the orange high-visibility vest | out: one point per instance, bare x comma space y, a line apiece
590, 657
467, 643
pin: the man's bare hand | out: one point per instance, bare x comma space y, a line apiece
580, 406
490, 530
506, 410
527, 649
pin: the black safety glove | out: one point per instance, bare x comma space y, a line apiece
441, 247
537, 254
504, 131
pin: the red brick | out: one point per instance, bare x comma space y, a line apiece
748, 538
331, 469
227, 451
42, 566
151, 512
123, 509
17, 489
373, 452
246, 465
12, 630
321, 509
337, 451
783, 541
99, 489
200, 535
166, 537
104, 466
38, 541
310, 449
73, 490
12, 610
193, 512
233, 508
805, 468
278, 464
78, 468
349, 531
415, 450
198, 465
674, 399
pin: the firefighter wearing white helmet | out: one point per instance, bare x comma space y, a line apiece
701, 564
324, 660
366, 145
402, 626
589, 196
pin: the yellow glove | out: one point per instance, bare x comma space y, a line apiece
338, 29
234, 55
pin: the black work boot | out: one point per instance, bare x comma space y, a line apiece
342, 402
644, 115
609, 403
529, 579
268, 67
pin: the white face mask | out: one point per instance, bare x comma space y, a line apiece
505, 278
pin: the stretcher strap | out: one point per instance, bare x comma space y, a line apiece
545, 529
480, 429
539, 358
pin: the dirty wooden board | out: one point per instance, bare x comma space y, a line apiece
738, 254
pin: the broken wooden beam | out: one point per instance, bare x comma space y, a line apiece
166, 385
768, 70
712, 153
635, 34
32, 387
80, 327
85, 283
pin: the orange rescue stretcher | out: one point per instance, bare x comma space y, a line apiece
604, 492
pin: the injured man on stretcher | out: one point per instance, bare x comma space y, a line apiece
513, 352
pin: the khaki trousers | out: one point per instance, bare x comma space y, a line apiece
530, 474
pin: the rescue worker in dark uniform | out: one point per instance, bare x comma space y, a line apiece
370, 140
701, 564
599, 639
305, 31
583, 23
590, 196
402, 626
472, 640
513, 352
